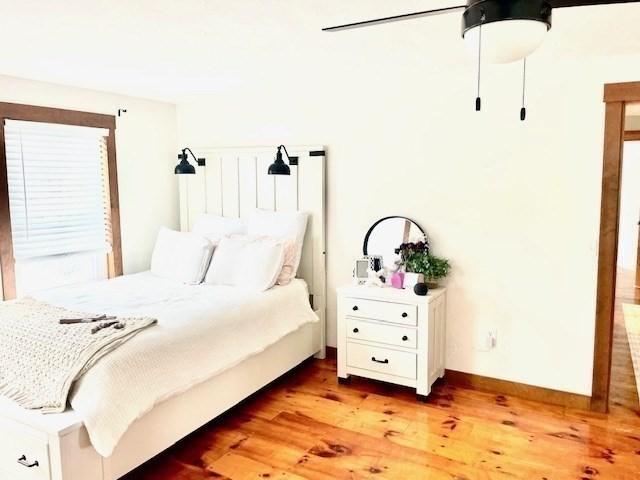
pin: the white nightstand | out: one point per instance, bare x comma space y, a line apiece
392, 335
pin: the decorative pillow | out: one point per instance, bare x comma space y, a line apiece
285, 225
286, 274
214, 227
251, 262
181, 256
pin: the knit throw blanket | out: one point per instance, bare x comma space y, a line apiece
40, 358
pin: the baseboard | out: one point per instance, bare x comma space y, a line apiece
505, 387
520, 390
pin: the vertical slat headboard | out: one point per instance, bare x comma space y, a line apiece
235, 181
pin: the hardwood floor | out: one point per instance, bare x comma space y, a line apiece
624, 394
307, 426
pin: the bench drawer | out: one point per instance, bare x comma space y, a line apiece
384, 311
382, 333
382, 360
24, 454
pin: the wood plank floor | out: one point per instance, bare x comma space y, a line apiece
307, 426
624, 394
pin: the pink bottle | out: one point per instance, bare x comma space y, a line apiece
397, 280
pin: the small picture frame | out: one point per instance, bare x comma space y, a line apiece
360, 270
375, 262
363, 265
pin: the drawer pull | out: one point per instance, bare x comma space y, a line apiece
355, 308
405, 338
405, 314
23, 461
374, 359
355, 330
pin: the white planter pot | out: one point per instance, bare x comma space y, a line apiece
410, 280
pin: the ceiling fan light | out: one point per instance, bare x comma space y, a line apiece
506, 41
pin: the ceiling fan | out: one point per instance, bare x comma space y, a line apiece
500, 31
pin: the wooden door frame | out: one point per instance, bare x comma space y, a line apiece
33, 113
634, 136
616, 95
637, 274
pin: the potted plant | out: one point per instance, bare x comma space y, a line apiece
406, 250
417, 258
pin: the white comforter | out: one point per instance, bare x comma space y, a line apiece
202, 330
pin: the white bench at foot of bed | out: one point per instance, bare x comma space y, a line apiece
57, 447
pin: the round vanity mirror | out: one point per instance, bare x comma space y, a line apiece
389, 233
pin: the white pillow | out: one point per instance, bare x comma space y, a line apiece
181, 256
214, 227
251, 262
286, 225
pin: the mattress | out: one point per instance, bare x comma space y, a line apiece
202, 331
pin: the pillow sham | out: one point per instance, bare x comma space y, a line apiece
181, 256
251, 262
289, 226
286, 274
214, 227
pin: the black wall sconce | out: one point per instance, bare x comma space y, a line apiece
278, 167
184, 167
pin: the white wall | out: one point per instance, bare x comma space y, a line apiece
514, 205
629, 207
146, 155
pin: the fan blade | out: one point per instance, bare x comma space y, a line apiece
396, 18
582, 3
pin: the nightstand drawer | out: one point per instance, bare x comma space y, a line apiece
384, 311
23, 455
382, 333
390, 362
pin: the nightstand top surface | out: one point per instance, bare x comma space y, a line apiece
389, 293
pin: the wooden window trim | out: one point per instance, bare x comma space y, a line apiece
615, 96
31, 113
631, 135
622, 92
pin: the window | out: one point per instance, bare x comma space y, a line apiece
59, 189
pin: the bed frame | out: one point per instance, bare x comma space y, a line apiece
233, 183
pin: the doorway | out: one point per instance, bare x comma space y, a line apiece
625, 353
618, 299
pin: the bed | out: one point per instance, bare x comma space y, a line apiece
219, 344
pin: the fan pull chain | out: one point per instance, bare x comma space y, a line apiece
523, 110
478, 100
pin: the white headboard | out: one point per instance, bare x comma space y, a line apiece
235, 181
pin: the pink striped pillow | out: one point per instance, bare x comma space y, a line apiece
290, 253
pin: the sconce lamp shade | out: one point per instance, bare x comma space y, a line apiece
278, 167
184, 167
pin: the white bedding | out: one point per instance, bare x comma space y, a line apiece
202, 330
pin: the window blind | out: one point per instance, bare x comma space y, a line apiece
58, 189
